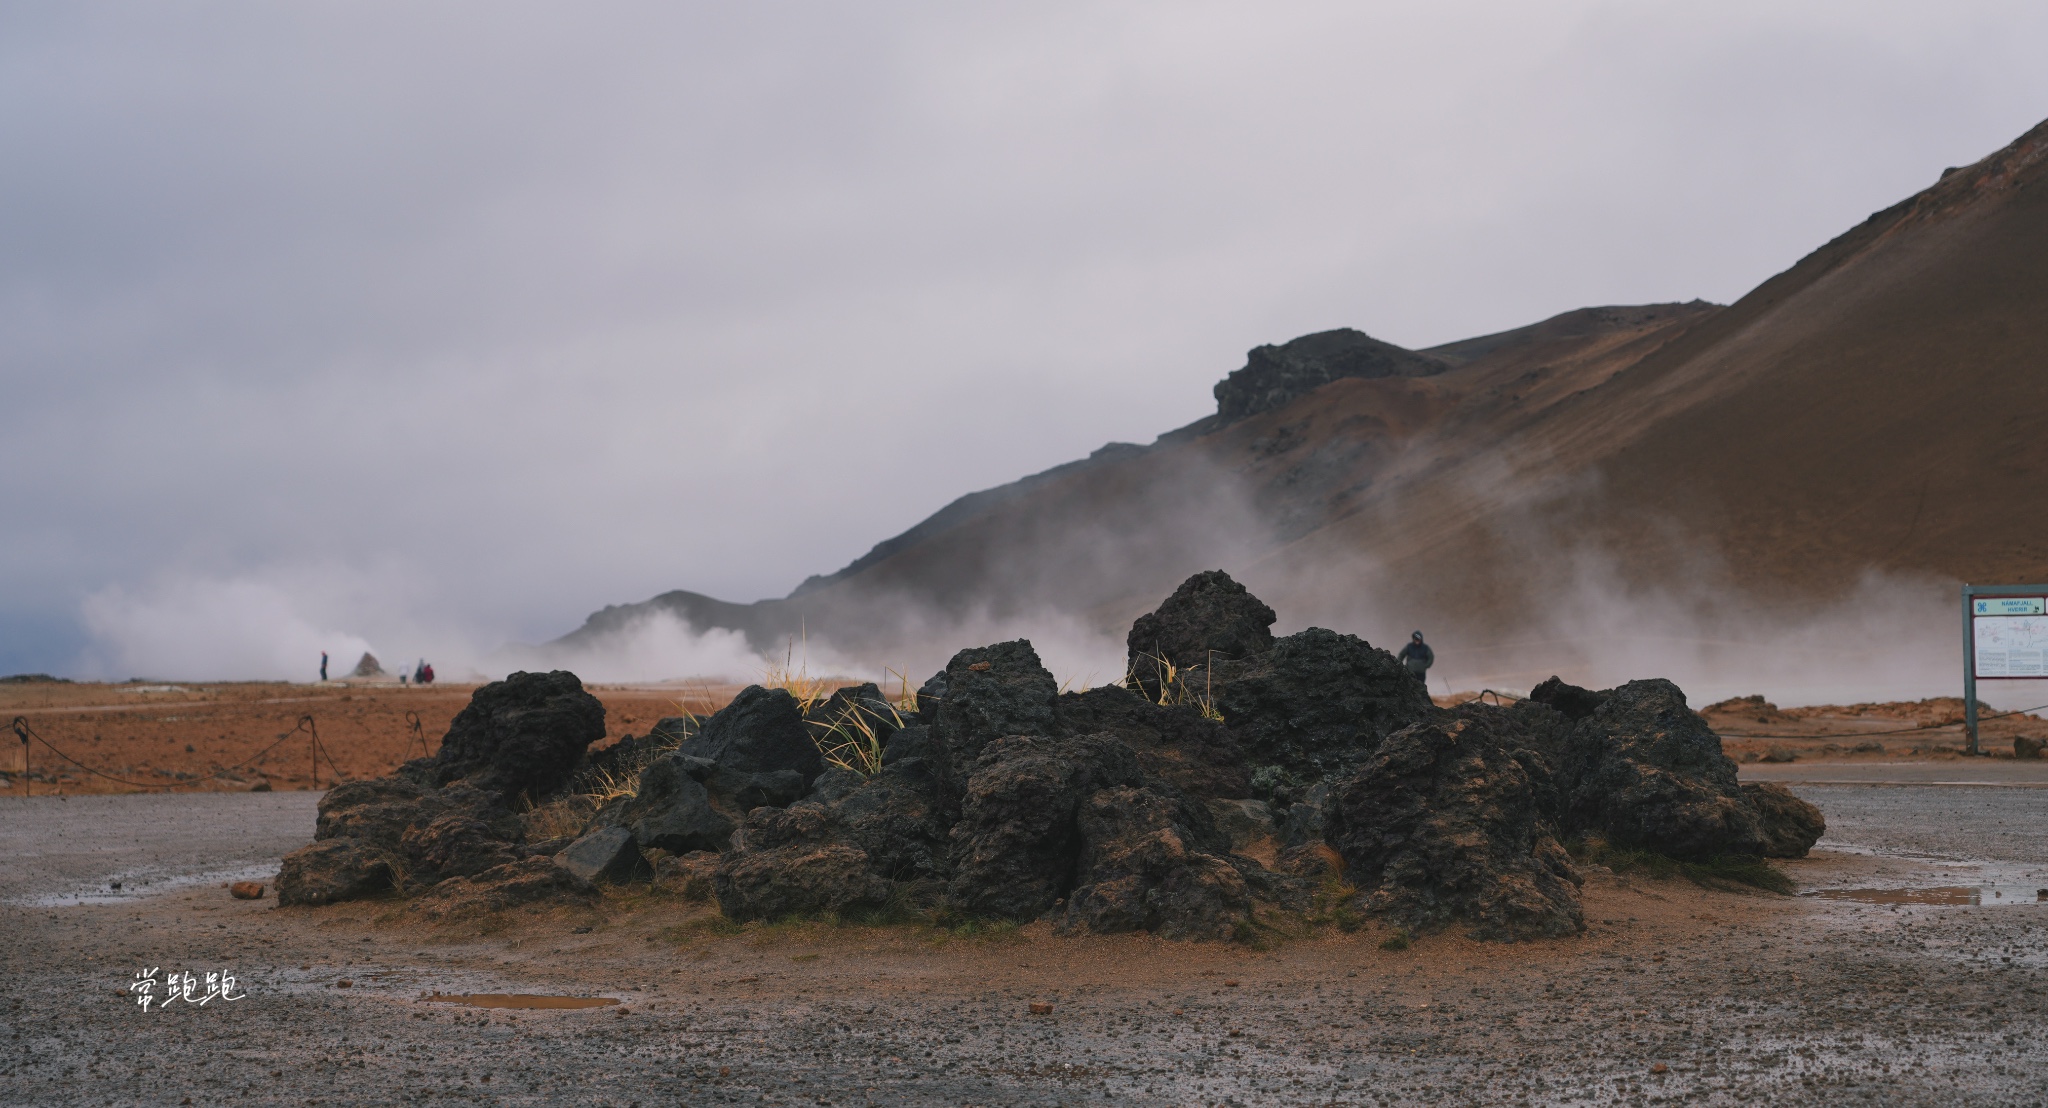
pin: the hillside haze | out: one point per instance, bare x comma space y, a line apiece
1807, 470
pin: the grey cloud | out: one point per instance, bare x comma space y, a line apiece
515, 310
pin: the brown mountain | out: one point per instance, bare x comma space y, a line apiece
1877, 407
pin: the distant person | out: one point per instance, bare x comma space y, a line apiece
323, 665
1418, 657
419, 672
426, 674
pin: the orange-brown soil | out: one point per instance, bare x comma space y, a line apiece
176, 737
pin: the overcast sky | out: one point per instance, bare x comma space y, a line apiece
425, 326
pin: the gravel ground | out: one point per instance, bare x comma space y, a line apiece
1677, 994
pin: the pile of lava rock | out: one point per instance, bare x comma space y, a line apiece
1240, 776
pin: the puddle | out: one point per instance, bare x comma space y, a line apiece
1939, 895
518, 1000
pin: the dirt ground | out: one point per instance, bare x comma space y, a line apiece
177, 737
1676, 994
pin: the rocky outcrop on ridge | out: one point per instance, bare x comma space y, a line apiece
1275, 376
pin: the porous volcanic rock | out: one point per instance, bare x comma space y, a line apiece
1574, 702
376, 811
985, 694
419, 835
1441, 825
608, 854
1244, 822
1175, 744
1646, 771
1316, 704
857, 713
895, 818
1791, 826
460, 832
333, 870
1150, 860
526, 881
672, 810
761, 731
520, 737
1015, 845
789, 862
692, 876
1209, 617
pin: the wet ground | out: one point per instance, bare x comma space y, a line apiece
1676, 994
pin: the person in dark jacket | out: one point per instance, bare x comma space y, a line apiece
1418, 657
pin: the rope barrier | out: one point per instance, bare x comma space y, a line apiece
1899, 731
22, 728
1483, 694
419, 735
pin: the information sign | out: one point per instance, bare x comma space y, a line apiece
2011, 646
2007, 606
2005, 638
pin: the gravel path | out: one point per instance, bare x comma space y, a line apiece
1739, 999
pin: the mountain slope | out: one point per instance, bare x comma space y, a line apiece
1872, 408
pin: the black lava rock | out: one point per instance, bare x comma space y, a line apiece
1576, 703
459, 832
761, 731
1316, 704
1178, 745
1441, 824
989, 692
1791, 826
791, 862
332, 870
673, 810
608, 854
1150, 860
1646, 771
1210, 617
1017, 840
520, 737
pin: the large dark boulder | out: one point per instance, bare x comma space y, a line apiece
1441, 825
1645, 771
853, 843
858, 711
421, 835
521, 737
332, 870
791, 862
1017, 842
1572, 701
988, 693
609, 854
459, 832
1318, 703
1791, 826
1149, 860
1178, 745
376, 811
896, 819
761, 731
1210, 617
672, 810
